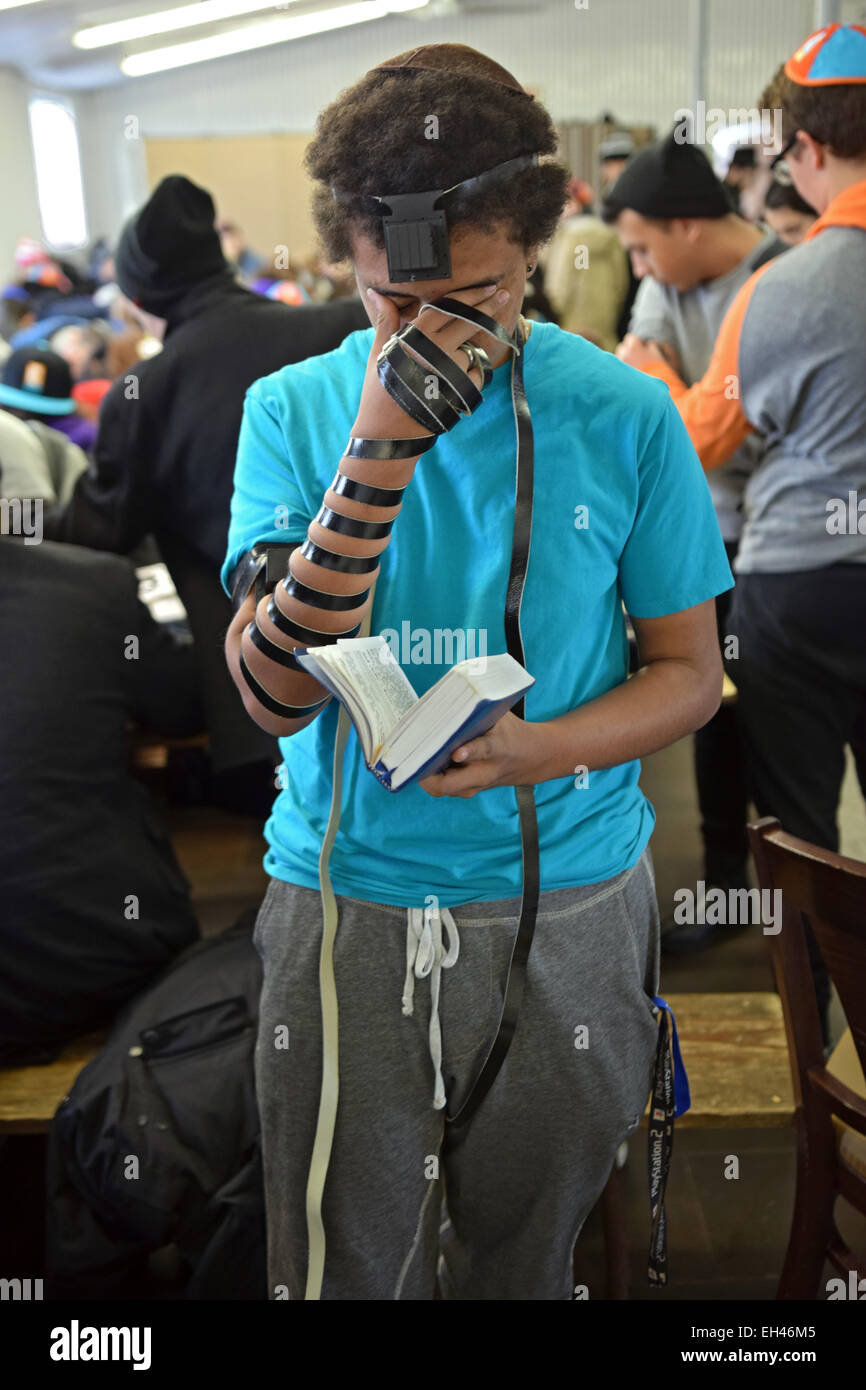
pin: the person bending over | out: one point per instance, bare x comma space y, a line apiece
431, 520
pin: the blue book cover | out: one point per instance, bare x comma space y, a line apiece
482, 715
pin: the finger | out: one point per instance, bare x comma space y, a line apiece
432, 320
465, 781
450, 333
432, 785
457, 331
472, 752
484, 299
387, 319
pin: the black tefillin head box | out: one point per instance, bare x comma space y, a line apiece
416, 238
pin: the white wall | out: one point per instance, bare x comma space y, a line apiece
628, 56
19, 207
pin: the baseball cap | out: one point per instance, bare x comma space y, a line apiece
37, 381
620, 145
833, 55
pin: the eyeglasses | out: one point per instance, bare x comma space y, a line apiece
779, 166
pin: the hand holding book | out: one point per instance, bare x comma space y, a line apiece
404, 738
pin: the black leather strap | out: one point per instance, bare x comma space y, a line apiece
388, 448
308, 635
525, 795
456, 309
466, 395
406, 383
331, 603
280, 655
363, 492
414, 376
331, 560
265, 698
350, 526
263, 566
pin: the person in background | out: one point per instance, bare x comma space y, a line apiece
587, 279
614, 152
742, 173
85, 347
165, 453
247, 263
36, 384
786, 213
673, 217
586, 272
16, 312
38, 463
94, 903
281, 286
793, 342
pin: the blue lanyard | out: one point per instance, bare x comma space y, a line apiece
670, 1098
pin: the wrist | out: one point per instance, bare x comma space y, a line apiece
550, 754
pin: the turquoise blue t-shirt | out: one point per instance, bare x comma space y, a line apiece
621, 514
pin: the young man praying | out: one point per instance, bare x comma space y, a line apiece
569, 490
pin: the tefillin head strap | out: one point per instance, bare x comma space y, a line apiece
414, 224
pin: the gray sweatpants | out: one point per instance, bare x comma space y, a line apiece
496, 1215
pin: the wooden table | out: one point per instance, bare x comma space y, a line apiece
29, 1096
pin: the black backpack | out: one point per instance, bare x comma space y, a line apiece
157, 1143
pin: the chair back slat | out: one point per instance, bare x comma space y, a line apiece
829, 892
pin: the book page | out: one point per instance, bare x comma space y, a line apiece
368, 665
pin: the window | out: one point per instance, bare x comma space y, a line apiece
58, 174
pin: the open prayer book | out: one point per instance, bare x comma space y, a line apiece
404, 737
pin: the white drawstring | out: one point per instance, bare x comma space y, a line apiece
425, 956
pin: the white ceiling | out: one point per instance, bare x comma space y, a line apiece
37, 38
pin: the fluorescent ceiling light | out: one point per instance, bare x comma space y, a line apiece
144, 26
261, 35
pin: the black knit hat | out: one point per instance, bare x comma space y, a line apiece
169, 245
670, 179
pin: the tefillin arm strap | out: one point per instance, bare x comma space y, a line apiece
362, 448
524, 467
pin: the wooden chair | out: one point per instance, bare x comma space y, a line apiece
830, 891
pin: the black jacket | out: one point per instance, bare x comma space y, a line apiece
165, 455
157, 1143
93, 905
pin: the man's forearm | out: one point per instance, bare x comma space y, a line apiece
662, 702
325, 571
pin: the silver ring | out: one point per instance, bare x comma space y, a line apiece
471, 353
